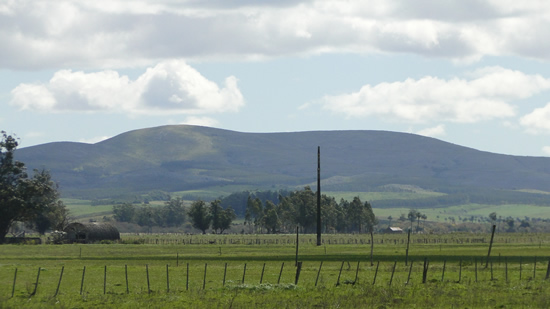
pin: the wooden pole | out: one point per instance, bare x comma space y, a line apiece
167, 280
318, 196
392, 272
339, 274
318, 273
443, 272
407, 250
244, 273
82, 282
520, 268
13, 286
475, 261
297, 241
126, 275
36, 284
224, 273
280, 273
535, 268
262, 276
59, 283
105, 280
375, 273
187, 278
490, 246
204, 279
460, 271
548, 270
356, 273
410, 271
148, 285
298, 270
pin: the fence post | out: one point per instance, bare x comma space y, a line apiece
82, 282
375, 273
204, 279
356, 273
460, 271
105, 280
126, 275
443, 272
187, 279
298, 270
425, 271
244, 273
340, 273
318, 272
14, 278
224, 272
409, 276
392, 272
535, 268
167, 280
36, 284
59, 283
280, 273
148, 285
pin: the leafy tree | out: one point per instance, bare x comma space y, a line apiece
54, 217
200, 216
21, 198
173, 212
227, 217
271, 220
413, 213
216, 212
125, 212
370, 222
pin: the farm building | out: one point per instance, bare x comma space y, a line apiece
90, 232
393, 230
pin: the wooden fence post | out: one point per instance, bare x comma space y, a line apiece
126, 275
375, 273
280, 273
148, 285
204, 279
167, 280
262, 276
36, 284
13, 286
443, 272
82, 282
392, 272
340, 273
244, 273
490, 246
187, 279
298, 270
224, 272
105, 280
318, 272
409, 276
59, 283
356, 273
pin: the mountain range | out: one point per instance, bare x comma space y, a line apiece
182, 158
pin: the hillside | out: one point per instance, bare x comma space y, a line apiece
180, 158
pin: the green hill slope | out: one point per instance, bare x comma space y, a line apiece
178, 158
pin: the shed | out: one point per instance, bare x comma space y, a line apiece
90, 232
394, 230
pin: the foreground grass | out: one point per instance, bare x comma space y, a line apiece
255, 272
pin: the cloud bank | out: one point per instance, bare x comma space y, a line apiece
486, 95
116, 33
170, 87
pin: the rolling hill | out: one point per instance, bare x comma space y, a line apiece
180, 158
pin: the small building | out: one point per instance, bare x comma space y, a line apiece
90, 232
393, 230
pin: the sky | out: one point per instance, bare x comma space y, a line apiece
470, 72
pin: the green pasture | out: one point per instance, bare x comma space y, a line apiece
244, 271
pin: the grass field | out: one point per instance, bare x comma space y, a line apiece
238, 271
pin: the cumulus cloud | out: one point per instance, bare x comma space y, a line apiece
171, 87
436, 131
485, 95
112, 33
538, 121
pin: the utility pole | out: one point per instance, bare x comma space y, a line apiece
318, 195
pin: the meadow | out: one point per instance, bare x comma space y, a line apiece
244, 271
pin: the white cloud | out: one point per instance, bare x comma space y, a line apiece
201, 121
538, 121
436, 131
546, 150
487, 95
171, 87
115, 33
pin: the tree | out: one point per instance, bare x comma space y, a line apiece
370, 222
21, 198
412, 216
173, 212
227, 217
200, 216
125, 212
271, 220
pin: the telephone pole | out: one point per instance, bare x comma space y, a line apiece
318, 195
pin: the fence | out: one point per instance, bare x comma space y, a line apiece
196, 276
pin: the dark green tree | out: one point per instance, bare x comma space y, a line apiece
200, 216
21, 198
271, 220
227, 217
125, 212
173, 212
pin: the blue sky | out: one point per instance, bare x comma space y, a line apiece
470, 72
